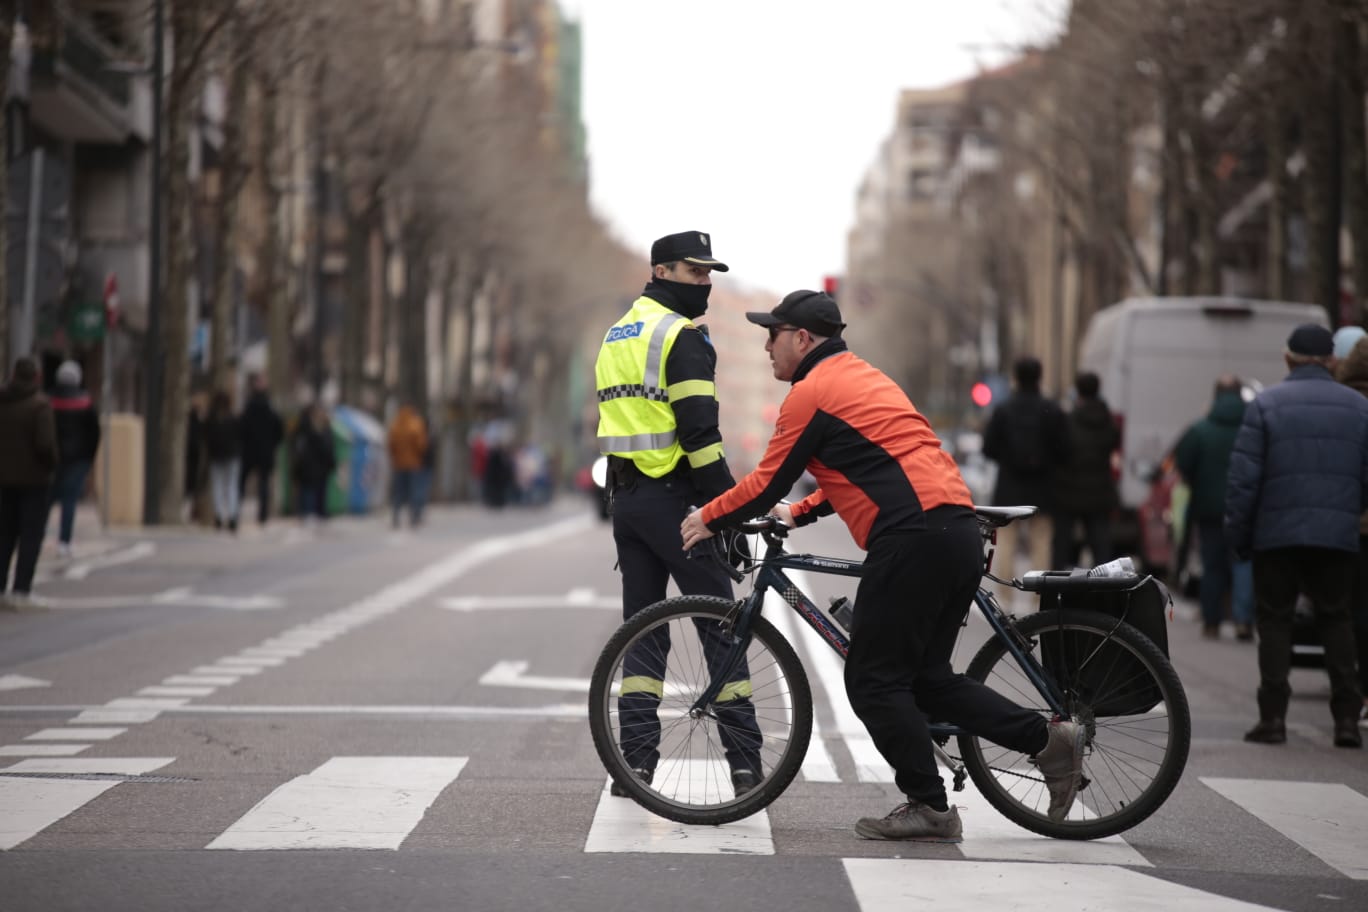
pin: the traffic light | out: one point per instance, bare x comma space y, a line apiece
982, 394
831, 285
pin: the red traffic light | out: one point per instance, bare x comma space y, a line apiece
831, 284
981, 393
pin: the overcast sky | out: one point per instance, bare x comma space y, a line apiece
755, 120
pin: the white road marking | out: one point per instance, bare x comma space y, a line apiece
20, 682
200, 680
29, 806
225, 670
41, 750
116, 716
971, 886
512, 674
182, 595
622, 825
1328, 819
159, 691
347, 803
575, 598
147, 703
576, 710
76, 734
84, 568
252, 661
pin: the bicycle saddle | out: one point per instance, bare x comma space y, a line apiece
1001, 516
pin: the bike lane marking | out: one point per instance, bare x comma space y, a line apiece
971, 886
30, 805
1328, 819
622, 825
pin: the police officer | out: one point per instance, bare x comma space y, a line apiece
658, 426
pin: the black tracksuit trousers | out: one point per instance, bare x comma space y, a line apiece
914, 593
646, 518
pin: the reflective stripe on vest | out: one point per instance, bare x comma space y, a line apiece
636, 420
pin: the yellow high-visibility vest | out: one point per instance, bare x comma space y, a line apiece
636, 420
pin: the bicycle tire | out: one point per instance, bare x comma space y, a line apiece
1133, 759
692, 783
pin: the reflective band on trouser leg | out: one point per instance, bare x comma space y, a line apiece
732, 691
653, 686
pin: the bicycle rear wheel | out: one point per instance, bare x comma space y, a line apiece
761, 721
1121, 688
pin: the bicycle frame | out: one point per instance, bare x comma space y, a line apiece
771, 576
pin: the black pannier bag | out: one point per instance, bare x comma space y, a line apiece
1111, 679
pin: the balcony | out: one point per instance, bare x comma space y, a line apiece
80, 87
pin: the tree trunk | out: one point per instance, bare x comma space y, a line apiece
182, 99
233, 175
272, 246
1320, 144
8, 11
413, 363
356, 304
1355, 161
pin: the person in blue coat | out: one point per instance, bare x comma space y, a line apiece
1298, 482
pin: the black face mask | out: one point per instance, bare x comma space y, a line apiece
689, 300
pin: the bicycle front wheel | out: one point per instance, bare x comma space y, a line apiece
1120, 687
641, 698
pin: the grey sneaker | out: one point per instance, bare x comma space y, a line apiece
915, 821
1061, 763
644, 775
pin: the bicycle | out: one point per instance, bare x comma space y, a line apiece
1067, 663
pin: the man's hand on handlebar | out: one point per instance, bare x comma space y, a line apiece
692, 529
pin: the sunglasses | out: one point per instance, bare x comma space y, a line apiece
774, 331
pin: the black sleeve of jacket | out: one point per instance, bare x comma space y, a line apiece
693, 358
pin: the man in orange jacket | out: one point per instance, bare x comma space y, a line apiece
408, 446
880, 467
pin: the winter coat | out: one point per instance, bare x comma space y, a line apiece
222, 434
1299, 470
78, 426
1203, 455
1084, 483
408, 440
1028, 437
1353, 373
262, 431
29, 452
313, 453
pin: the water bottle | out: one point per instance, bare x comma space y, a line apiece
843, 610
1122, 566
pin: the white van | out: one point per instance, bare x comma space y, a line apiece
1158, 360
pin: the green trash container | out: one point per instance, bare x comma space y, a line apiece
335, 497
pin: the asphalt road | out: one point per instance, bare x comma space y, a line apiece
350, 717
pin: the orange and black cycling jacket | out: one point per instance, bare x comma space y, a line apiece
878, 464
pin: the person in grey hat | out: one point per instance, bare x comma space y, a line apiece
1294, 495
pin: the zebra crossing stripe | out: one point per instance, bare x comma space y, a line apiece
970, 886
30, 805
622, 825
1328, 819
347, 803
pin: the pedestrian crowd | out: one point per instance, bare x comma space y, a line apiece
1278, 504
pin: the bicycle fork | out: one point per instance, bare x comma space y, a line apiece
736, 653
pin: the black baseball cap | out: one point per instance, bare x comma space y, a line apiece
815, 311
687, 246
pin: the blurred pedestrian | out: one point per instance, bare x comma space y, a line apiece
262, 434
1028, 437
1352, 370
1085, 490
223, 450
313, 461
408, 446
1203, 460
28, 457
78, 440
196, 462
1295, 494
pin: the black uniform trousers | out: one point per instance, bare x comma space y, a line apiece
647, 513
1327, 578
914, 594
